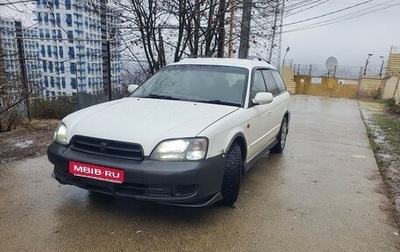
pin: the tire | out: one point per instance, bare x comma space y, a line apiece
232, 174
282, 136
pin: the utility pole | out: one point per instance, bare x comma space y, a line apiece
245, 29
22, 65
221, 28
105, 46
275, 46
196, 28
230, 41
161, 55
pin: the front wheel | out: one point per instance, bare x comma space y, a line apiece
232, 175
280, 146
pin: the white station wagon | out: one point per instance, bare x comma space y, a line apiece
184, 137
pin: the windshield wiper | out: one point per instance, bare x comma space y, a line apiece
157, 96
222, 103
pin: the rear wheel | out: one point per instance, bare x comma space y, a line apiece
232, 175
280, 146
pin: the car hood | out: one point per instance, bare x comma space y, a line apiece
145, 121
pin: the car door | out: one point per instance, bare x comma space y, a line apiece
278, 108
260, 124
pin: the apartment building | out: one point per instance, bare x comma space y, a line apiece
10, 59
71, 50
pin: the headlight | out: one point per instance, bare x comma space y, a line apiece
180, 150
60, 136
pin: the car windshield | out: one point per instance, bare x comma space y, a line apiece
200, 83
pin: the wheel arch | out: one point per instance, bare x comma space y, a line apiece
287, 115
240, 139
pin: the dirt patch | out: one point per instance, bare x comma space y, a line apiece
29, 139
384, 134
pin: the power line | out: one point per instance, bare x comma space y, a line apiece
308, 8
330, 13
349, 16
16, 2
302, 4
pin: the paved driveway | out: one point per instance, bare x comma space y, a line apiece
323, 194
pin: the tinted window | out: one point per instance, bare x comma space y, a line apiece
279, 81
258, 84
270, 81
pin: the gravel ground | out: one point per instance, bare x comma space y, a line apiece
28, 140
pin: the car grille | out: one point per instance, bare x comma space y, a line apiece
109, 148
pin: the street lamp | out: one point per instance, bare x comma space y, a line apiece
284, 57
366, 63
383, 62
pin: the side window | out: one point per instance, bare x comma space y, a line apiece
258, 84
270, 81
278, 79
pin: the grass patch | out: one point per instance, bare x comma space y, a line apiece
370, 133
390, 126
383, 131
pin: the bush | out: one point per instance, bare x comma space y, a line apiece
47, 109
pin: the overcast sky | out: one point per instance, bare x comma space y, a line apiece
350, 41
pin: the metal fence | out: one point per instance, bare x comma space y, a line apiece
345, 72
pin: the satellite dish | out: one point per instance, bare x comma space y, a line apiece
331, 63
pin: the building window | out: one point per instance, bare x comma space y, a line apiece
43, 51
49, 51
44, 65
68, 20
59, 35
39, 17
71, 52
62, 68
58, 18
46, 81
55, 52
51, 67
73, 68
70, 36
61, 52
63, 82
73, 83
68, 4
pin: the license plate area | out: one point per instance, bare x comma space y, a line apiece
96, 172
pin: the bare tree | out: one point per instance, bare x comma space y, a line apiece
10, 99
171, 29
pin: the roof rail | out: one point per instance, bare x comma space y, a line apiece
258, 58
191, 56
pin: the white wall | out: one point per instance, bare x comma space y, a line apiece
391, 89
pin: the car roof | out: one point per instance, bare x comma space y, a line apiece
245, 63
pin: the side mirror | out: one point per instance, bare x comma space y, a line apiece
263, 98
132, 88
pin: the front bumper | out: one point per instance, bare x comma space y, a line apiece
193, 184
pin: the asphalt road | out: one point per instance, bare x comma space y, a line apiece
323, 194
